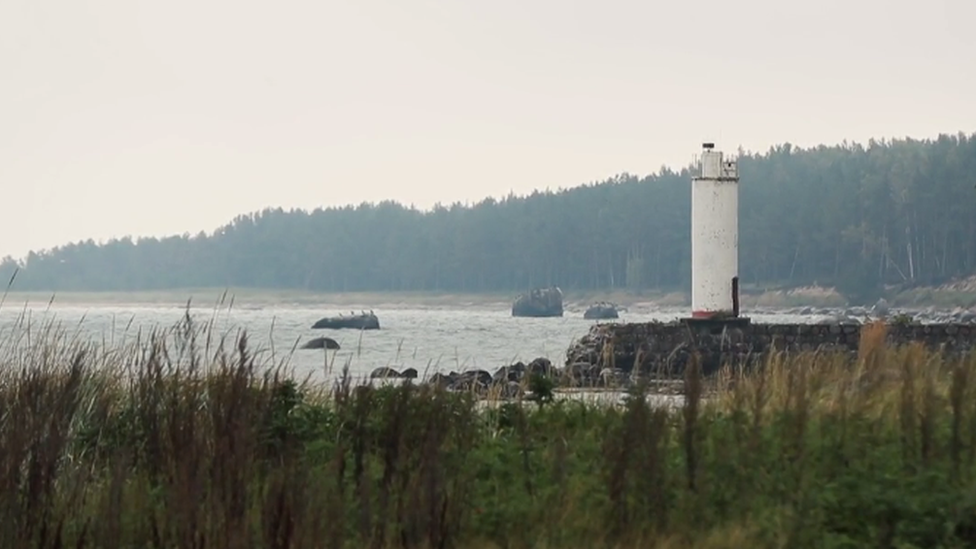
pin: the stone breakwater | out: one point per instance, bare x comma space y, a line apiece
615, 355
654, 347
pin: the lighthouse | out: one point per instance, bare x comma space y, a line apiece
715, 237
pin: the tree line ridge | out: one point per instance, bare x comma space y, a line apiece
858, 217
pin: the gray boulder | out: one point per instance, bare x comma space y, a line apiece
361, 321
540, 302
321, 343
384, 372
601, 311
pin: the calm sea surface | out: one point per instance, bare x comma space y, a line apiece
428, 339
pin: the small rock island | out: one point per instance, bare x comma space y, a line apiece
361, 321
540, 302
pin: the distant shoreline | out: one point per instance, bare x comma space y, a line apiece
298, 298
949, 297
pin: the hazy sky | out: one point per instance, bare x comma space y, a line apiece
150, 118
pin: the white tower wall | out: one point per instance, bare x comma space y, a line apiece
714, 235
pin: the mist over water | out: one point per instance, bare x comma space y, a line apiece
428, 339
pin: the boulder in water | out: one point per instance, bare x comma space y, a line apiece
384, 372
600, 311
540, 302
361, 321
321, 343
515, 373
442, 381
541, 367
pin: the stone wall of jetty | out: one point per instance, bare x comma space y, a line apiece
615, 355
656, 347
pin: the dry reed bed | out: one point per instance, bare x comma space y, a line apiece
183, 439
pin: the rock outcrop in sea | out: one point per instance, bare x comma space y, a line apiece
540, 302
361, 321
601, 311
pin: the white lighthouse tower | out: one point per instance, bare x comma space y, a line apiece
715, 237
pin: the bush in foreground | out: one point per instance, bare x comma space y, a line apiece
177, 441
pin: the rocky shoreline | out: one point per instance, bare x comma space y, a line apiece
879, 311
515, 380
616, 356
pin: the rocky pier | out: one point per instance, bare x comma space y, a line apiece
614, 356
665, 347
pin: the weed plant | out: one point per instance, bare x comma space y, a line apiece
183, 439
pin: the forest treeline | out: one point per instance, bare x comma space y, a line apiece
856, 216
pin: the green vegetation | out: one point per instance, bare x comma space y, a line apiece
853, 216
179, 439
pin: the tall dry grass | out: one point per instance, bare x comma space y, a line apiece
181, 438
